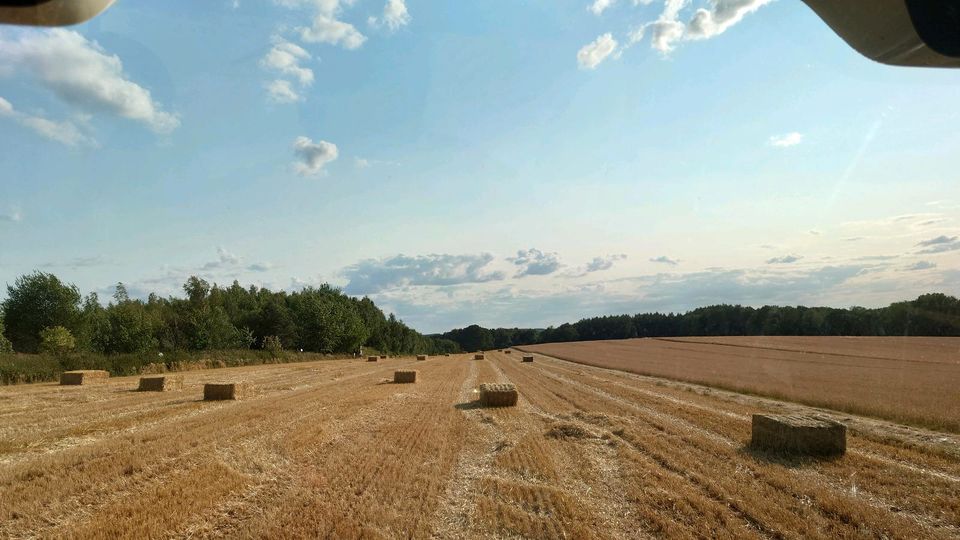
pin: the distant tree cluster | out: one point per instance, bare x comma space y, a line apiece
43, 314
929, 315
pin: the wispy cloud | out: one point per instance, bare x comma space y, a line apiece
64, 132
286, 59
785, 140
592, 54
786, 259
376, 275
939, 244
663, 259
668, 30
920, 265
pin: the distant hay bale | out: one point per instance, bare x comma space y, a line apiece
161, 383
498, 395
83, 376
421, 357
372, 358
795, 434
507, 351
405, 376
218, 391
383, 357
446, 354
478, 356
527, 358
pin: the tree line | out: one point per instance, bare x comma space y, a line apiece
43, 314
933, 314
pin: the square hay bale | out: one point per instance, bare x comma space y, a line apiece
161, 383
372, 358
383, 357
478, 356
527, 358
218, 391
83, 376
446, 354
405, 376
498, 395
795, 434
421, 357
508, 351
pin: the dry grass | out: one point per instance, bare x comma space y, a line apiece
83, 376
324, 451
907, 380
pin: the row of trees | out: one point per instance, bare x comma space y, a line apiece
929, 315
43, 313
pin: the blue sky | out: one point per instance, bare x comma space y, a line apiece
499, 162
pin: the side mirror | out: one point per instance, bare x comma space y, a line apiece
50, 12
922, 33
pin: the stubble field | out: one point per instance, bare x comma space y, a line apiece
914, 380
330, 449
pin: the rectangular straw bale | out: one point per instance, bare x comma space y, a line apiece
161, 383
405, 376
796, 434
218, 391
421, 357
83, 376
383, 357
527, 358
507, 351
372, 358
478, 356
498, 395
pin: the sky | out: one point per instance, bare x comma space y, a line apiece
495, 162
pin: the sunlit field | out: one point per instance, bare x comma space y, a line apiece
907, 379
334, 449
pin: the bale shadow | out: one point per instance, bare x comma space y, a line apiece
469, 405
785, 459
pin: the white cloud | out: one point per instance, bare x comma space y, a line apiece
533, 262
282, 91
785, 140
361, 163
327, 29
920, 265
83, 75
668, 30
312, 156
285, 58
65, 132
599, 6
591, 54
395, 15
707, 23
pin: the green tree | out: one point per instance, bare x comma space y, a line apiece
5, 345
57, 340
37, 301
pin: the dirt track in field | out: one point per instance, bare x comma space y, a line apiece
331, 449
911, 380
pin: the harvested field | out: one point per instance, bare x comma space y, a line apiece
324, 449
911, 380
